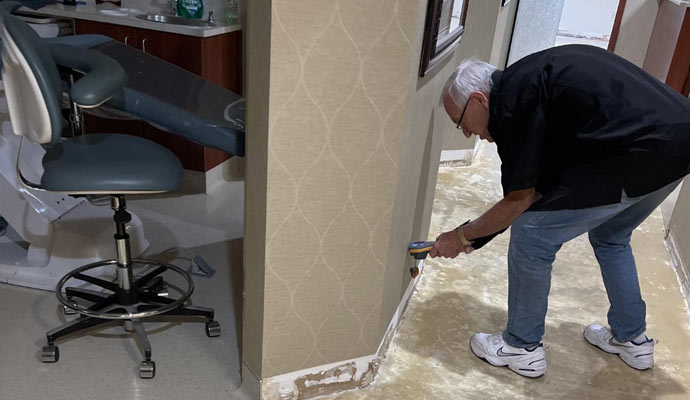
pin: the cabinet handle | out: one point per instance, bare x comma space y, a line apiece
127, 39
143, 45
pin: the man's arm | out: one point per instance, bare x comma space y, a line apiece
502, 214
498, 217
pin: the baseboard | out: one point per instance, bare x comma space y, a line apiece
195, 182
340, 376
459, 158
251, 381
682, 269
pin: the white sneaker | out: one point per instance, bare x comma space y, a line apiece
637, 355
491, 348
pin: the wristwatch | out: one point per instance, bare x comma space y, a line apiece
461, 236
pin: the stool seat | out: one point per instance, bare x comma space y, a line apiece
109, 163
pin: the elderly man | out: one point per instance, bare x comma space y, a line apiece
589, 143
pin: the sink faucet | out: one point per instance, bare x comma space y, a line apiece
211, 17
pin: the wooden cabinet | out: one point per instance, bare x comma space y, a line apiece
216, 58
679, 70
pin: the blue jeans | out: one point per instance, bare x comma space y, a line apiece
536, 236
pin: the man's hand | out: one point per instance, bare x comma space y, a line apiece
496, 219
448, 245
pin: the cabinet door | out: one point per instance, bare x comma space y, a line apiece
222, 65
181, 50
124, 34
194, 55
222, 60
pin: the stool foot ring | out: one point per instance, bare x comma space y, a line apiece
127, 302
139, 287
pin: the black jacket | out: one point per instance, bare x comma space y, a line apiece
581, 124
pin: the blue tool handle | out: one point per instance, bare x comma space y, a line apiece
419, 250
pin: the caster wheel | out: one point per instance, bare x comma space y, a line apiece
68, 311
212, 329
147, 370
159, 288
50, 354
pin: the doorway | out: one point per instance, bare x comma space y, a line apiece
587, 22
541, 24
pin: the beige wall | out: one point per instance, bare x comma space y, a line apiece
487, 26
343, 146
487, 37
662, 43
258, 33
336, 112
636, 29
503, 34
679, 228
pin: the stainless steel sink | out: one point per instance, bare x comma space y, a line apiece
169, 19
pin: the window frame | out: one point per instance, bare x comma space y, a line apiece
435, 48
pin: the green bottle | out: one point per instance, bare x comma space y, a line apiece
190, 8
232, 14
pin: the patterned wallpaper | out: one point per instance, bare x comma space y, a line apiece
338, 95
343, 95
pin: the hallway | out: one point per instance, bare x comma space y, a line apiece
429, 357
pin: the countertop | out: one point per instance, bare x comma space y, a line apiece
110, 14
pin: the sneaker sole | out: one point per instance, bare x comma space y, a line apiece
619, 354
526, 374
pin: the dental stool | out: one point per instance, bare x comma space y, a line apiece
94, 164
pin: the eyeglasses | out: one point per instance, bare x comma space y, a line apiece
463, 113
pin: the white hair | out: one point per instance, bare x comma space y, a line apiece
471, 75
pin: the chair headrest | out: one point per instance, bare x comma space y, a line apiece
32, 82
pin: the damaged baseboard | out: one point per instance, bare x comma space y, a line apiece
456, 158
682, 270
336, 377
460, 158
322, 380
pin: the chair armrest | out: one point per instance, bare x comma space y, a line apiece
103, 76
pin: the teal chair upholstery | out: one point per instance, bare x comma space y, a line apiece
92, 164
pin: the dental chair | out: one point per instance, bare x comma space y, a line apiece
116, 165
40, 244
